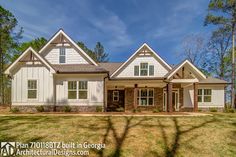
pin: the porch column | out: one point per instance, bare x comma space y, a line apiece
169, 97
135, 96
195, 94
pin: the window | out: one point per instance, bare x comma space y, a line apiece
32, 89
72, 89
136, 70
199, 95
204, 95
151, 70
62, 55
207, 95
83, 89
115, 95
143, 69
145, 97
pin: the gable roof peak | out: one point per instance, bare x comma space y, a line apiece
136, 52
29, 49
61, 31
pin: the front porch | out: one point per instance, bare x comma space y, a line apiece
148, 95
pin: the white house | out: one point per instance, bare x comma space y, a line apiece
62, 74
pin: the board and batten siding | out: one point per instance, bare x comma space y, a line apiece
44, 85
72, 56
95, 91
217, 97
128, 71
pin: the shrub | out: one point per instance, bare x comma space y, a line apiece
136, 110
67, 109
15, 110
156, 110
99, 109
213, 110
40, 108
199, 110
120, 109
229, 109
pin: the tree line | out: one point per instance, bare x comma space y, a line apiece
214, 56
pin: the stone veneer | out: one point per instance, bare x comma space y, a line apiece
50, 108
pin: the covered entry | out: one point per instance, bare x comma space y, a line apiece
175, 100
115, 100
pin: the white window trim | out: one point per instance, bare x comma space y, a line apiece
148, 65
62, 55
72, 90
118, 96
140, 69
203, 101
77, 90
139, 102
37, 83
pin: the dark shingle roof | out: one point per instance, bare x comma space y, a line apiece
78, 68
111, 67
212, 80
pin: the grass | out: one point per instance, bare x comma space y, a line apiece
130, 136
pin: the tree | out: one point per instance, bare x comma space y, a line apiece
219, 47
98, 55
194, 49
36, 44
223, 13
86, 50
8, 41
101, 55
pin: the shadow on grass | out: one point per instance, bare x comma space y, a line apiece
119, 139
110, 129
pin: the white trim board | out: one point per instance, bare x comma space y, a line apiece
131, 57
191, 65
30, 49
71, 41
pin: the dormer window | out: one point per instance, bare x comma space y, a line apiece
143, 69
62, 55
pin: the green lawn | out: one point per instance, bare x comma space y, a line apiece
130, 136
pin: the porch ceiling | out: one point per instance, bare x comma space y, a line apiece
140, 83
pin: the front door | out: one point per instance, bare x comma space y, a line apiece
115, 100
175, 100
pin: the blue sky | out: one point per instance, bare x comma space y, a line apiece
121, 26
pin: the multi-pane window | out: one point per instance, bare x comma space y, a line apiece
136, 70
72, 89
199, 95
115, 95
207, 95
145, 97
62, 55
151, 70
79, 88
83, 89
143, 69
32, 89
204, 95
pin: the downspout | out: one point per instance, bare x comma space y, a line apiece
104, 91
10, 77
